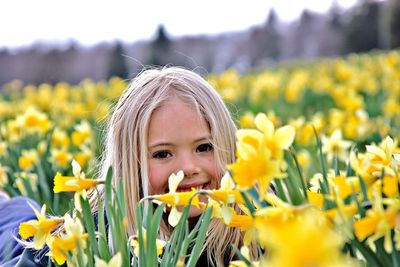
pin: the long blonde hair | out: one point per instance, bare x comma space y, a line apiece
126, 142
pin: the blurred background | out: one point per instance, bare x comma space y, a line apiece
326, 67
52, 41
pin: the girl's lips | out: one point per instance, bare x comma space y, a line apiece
188, 187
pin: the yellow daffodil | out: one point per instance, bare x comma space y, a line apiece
390, 107
59, 247
244, 222
174, 199
361, 164
3, 175
357, 125
260, 154
342, 212
83, 156
82, 134
226, 193
60, 157
247, 120
315, 198
378, 222
72, 239
134, 242
24, 179
368, 225
286, 241
335, 146
304, 158
390, 186
254, 163
28, 159
345, 186
278, 140
178, 198
383, 157
221, 211
39, 229
12, 131
115, 261
3, 148
34, 120
76, 183
60, 139
376, 160
246, 254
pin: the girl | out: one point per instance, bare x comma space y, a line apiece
169, 120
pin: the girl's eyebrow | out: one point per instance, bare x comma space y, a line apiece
160, 144
205, 138
157, 144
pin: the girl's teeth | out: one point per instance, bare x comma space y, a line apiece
190, 189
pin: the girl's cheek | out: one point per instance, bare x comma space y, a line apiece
157, 180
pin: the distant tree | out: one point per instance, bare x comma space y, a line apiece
160, 48
117, 65
395, 23
335, 17
51, 68
265, 41
361, 32
304, 40
274, 35
331, 43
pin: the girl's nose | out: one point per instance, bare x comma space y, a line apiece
189, 166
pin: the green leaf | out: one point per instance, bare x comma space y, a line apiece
195, 253
89, 224
248, 203
325, 185
43, 182
395, 254
102, 239
139, 219
363, 188
241, 257
368, 254
152, 233
300, 173
279, 189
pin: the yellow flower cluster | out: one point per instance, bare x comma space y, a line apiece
319, 165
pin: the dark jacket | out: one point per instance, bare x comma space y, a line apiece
14, 211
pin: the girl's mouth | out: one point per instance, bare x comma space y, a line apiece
196, 186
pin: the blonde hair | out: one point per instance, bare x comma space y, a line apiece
126, 142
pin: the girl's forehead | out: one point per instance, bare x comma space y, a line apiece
177, 120
176, 109
178, 103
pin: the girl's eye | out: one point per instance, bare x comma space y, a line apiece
161, 154
205, 148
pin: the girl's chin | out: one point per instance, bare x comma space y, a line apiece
194, 212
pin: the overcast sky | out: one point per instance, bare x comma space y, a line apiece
23, 22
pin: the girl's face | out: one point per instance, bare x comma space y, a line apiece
179, 139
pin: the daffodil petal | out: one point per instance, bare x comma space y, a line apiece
174, 217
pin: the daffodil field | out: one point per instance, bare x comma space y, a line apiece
316, 178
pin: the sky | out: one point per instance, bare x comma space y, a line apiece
87, 22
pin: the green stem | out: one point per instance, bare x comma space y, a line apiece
303, 185
325, 185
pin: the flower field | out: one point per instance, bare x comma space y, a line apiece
316, 176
